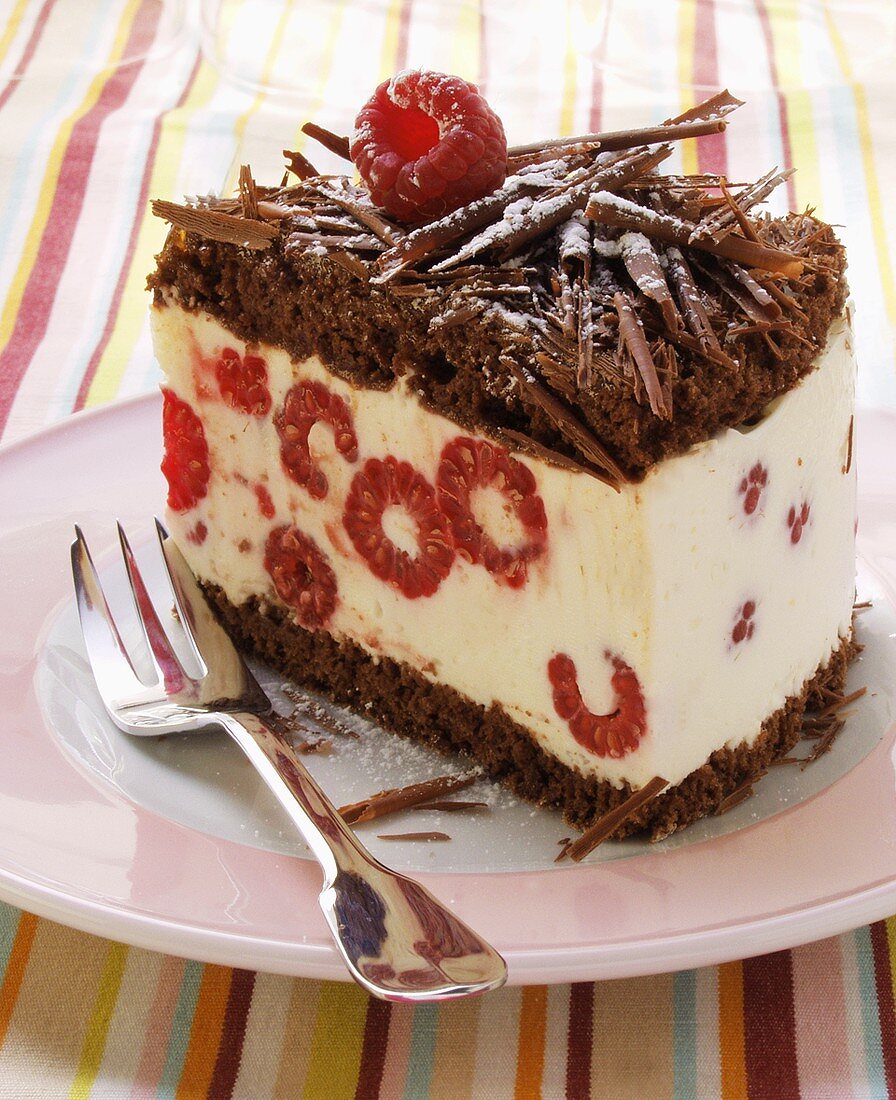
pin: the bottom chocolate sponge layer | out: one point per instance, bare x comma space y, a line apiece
403, 701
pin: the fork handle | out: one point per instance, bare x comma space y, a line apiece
398, 941
315, 816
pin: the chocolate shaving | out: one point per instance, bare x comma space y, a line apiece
611, 821
365, 214
248, 193
559, 376
429, 238
705, 118
584, 339
738, 795
351, 263
299, 164
690, 301
609, 209
631, 334
823, 745
402, 798
840, 702
717, 106
569, 424
848, 464
451, 807
642, 263
734, 212
216, 226
336, 144
434, 835
780, 761
770, 308
554, 458
863, 605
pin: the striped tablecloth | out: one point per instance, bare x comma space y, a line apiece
105, 103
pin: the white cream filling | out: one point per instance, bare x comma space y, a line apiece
656, 573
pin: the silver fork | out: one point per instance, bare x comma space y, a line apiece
397, 940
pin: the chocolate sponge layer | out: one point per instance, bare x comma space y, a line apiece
370, 335
403, 701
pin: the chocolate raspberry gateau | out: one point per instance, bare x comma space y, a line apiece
539, 454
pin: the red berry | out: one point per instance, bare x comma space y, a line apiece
614, 734
378, 486
243, 382
744, 624
307, 404
265, 503
751, 487
427, 143
301, 575
797, 519
185, 464
198, 534
467, 464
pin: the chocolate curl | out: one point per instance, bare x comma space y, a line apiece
643, 265
706, 118
402, 798
543, 213
631, 333
421, 242
585, 341
329, 140
363, 213
695, 314
572, 429
610, 822
525, 445
299, 164
248, 193
215, 226
726, 218
609, 209
761, 312
717, 106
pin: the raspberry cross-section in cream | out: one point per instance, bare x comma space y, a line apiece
685, 609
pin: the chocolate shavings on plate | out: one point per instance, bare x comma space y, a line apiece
402, 798
602, 829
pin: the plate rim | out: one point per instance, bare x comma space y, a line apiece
659, 953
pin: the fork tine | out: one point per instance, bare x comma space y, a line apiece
166, 661
184, 592
111, 663
210, 640
227, 674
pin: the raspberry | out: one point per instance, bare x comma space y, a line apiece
307, 404
745, 624
467, 464
612, 734
243, 382
378, 486
427, 143
301, 575
752, 486
265, 503
797, 519
185, 464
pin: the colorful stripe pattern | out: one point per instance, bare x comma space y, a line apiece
814, 1022
103, 110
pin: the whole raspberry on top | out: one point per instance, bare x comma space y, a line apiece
427, 143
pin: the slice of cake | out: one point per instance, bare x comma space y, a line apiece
561, 478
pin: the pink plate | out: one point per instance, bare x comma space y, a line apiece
95, 833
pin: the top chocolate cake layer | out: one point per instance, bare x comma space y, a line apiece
592, 310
